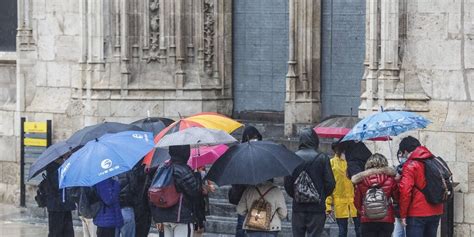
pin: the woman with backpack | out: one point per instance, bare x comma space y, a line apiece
375, 189
264, 207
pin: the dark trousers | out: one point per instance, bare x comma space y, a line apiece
250, 233
342, 223
308, 224
422, 226
142, 222
377, 229
105, 232
239, 232
60, 224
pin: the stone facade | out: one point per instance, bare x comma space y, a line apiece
424, 64
79, 62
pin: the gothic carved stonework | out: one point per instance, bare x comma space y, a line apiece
154, 31
209, 32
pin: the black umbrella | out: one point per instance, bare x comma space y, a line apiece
252, 163
81, 137
51, 154
357, 155
153, 124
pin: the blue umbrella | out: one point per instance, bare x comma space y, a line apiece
105, 157
386, 124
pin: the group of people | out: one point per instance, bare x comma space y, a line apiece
379, 199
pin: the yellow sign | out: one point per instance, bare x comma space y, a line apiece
36, 127
35, 142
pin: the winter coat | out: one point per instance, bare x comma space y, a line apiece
54, 195
412, 201
274, 197
343, 196
318, 167
128, 189
186, 183
110, 216
384, 178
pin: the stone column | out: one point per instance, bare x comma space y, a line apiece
372, 53
124, 39
389, 69
179, 44
302, 103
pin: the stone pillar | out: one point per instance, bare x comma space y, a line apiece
302, 103
389, 68
372, 53
180, 55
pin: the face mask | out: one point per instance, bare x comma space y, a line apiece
402, 158
254, 140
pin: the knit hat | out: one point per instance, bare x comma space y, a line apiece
376, 161
408, 144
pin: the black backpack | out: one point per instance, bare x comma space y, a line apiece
305, 190
41, 197
439, 181
89, 203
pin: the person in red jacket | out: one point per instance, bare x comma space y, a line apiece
420, 217
376, 174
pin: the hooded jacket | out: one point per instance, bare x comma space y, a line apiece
186, 183
384, 178
343, 196
318, 167
110, 216
412, 201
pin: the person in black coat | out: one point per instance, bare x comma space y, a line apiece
237, 190
178, 220
308, 218
58, 206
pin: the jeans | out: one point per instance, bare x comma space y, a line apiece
342, 223
250, 233
399, 230
377, 229
128, 228
308, 224
422, 226
60, 224
88, 227
239, 232
178, 229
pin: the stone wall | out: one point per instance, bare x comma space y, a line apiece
433, 78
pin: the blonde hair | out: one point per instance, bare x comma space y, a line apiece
377, 160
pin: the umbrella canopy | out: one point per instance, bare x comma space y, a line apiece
386, 124
200, 156
196, 136
207, 155
153, 124
336, 127
89, 133
105, 157
51, 154
252, 163
205, 120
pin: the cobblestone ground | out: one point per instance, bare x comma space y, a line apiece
16, 222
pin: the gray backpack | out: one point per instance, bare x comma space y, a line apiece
375, 203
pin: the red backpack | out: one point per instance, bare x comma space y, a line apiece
162, 192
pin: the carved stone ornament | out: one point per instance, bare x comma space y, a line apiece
209, 32
154, 31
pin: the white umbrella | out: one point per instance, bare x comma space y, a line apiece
196, 136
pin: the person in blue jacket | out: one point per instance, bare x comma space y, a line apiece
109, 220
